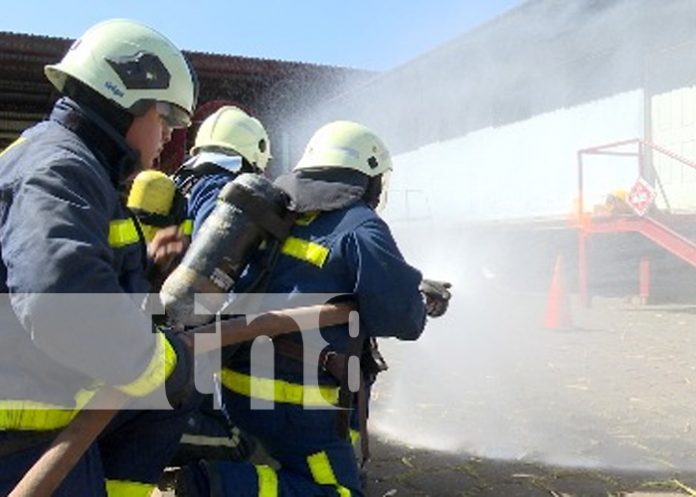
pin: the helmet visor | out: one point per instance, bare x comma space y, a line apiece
174, 116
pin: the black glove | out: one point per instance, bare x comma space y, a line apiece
436, 295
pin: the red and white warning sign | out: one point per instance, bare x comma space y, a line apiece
641, 196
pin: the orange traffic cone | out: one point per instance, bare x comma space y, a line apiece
558, 303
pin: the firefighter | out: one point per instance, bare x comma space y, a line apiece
228, 142
616, 203
338, 245
74, 262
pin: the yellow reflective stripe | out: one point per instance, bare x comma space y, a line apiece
187, 227
354, 436
323, 473
161, 366
278, 390
306, 218
122, 488
37, 416
305, 251
12, 145
122, 232
268, 481
33, 416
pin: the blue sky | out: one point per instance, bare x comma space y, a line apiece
376, 34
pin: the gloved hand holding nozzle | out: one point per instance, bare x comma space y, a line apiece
437, 296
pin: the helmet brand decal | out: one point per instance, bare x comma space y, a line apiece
372, 162
141, 71
111, 86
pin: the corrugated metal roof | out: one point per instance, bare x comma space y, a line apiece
271, 89
48, 45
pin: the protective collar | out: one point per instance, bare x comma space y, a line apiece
230, 163
322, 189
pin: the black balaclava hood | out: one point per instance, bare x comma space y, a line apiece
323, 189
107, 120
119, 118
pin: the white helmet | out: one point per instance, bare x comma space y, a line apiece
347, 145
131, 65
231, 129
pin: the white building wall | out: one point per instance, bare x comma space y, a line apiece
526, 169
674, 128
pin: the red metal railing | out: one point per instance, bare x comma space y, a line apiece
648, 225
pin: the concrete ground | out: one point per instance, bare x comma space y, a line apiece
402, 471
492, 404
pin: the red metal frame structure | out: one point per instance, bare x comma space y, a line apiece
648, 225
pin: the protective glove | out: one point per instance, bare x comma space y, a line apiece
436, 295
